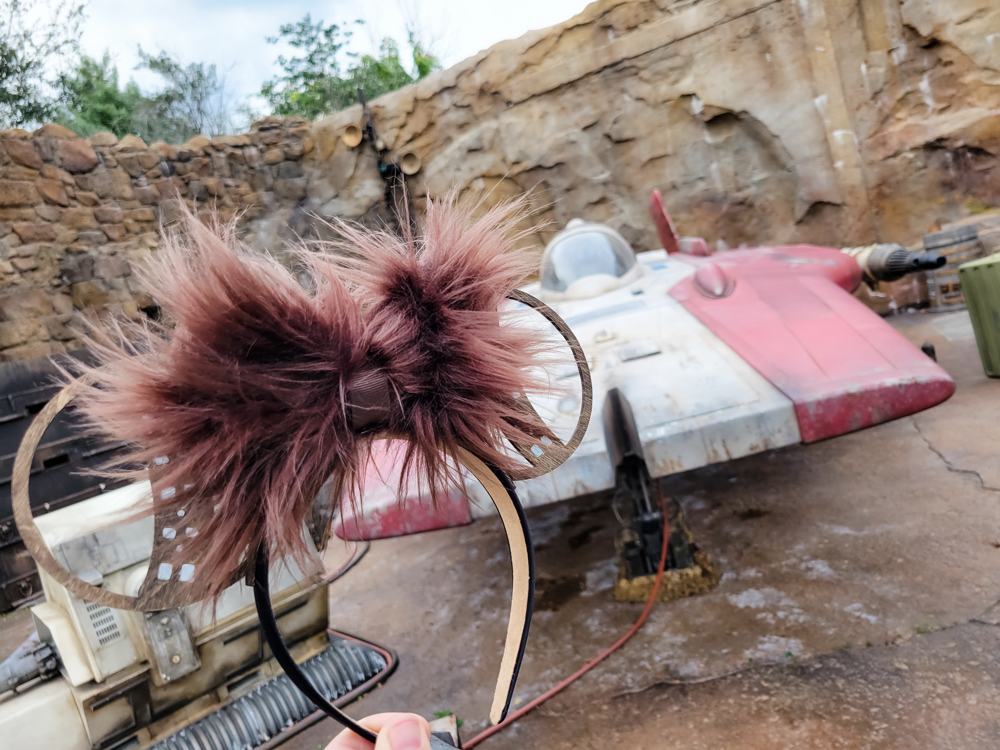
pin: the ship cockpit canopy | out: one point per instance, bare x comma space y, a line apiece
586, 259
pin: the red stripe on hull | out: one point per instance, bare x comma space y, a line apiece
843, 367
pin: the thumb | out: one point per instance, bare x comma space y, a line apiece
405, 732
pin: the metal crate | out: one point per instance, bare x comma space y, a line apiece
958, 245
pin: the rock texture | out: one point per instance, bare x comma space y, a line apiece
76, 214
761, 121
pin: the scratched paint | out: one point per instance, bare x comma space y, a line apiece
789, 357
843, 367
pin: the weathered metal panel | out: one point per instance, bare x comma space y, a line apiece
695, 401
44, 717
842, 366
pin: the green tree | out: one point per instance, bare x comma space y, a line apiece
34, 38
315, 83
378, 75
423, 61
192, 101
195, 94
93, 100
310, 84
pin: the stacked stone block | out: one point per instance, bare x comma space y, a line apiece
76, 215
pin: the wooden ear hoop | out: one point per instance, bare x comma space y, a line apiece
555, 455
496, 483
153, 600
25, 521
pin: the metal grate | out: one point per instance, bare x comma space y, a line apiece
105, 624
253, 719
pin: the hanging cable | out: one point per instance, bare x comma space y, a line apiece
603, 655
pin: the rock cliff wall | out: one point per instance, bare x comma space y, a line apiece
836, 122
831, 121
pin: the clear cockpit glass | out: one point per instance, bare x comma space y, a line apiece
585, 253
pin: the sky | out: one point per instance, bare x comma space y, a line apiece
231, 33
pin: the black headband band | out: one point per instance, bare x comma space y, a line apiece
269, 625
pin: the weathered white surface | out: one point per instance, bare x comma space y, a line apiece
101, 512
696, 402
53, 625
41, 718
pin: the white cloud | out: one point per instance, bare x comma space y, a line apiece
231, 33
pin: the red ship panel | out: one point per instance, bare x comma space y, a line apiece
385, 515
841, 365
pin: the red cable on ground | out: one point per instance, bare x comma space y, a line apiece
602, 656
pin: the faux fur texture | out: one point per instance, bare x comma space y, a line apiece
244, 388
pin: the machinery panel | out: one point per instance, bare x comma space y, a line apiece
59, 475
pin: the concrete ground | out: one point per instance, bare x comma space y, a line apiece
15, 628
855, 611
856, 608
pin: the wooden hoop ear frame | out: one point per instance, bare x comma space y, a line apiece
498, 485
555, 455
152, 598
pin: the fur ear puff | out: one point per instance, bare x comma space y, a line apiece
432, 308
246, 387
243, 390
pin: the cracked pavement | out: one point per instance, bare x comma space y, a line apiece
858, 607
949, 464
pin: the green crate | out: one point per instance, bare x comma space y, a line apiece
980, 281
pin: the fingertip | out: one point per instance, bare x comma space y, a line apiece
404, 732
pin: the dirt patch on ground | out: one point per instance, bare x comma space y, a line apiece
552, 593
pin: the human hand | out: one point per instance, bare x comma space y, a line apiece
396, 731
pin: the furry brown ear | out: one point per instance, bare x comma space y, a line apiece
243, 392
432, 316
243, 396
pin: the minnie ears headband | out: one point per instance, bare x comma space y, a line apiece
262, 389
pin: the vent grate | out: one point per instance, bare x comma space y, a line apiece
105, 624
268, 709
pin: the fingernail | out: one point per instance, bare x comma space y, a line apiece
407, 735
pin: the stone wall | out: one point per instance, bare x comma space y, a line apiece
837, 122
75, 215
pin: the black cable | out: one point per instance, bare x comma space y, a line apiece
268, 623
